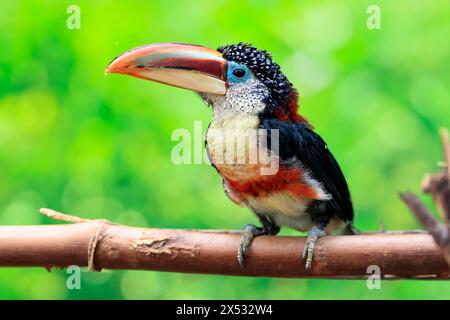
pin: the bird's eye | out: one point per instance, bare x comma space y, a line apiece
239, 73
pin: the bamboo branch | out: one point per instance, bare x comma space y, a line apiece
100, 244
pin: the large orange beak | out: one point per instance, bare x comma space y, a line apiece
181, 65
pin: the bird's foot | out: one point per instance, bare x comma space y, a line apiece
250, 232
308, 251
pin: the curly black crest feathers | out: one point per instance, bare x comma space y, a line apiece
261, 64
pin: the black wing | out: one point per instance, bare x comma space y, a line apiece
299, 141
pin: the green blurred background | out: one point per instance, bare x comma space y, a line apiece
99, 147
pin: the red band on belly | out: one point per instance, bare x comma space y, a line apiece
285, 180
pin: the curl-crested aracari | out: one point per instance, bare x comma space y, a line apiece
247, 90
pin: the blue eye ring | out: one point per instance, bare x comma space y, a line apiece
238, 72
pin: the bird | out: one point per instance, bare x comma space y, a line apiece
248, 93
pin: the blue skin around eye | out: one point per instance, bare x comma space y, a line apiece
233, 66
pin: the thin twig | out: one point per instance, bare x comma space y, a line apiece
446, 146
438, 186
61, 216
425, 217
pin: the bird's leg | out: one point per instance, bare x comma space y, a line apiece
250, 232
313, 235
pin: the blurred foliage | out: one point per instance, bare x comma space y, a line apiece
76, 141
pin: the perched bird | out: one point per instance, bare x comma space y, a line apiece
247, 91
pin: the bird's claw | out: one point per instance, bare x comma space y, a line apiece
308, 250
250, 232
